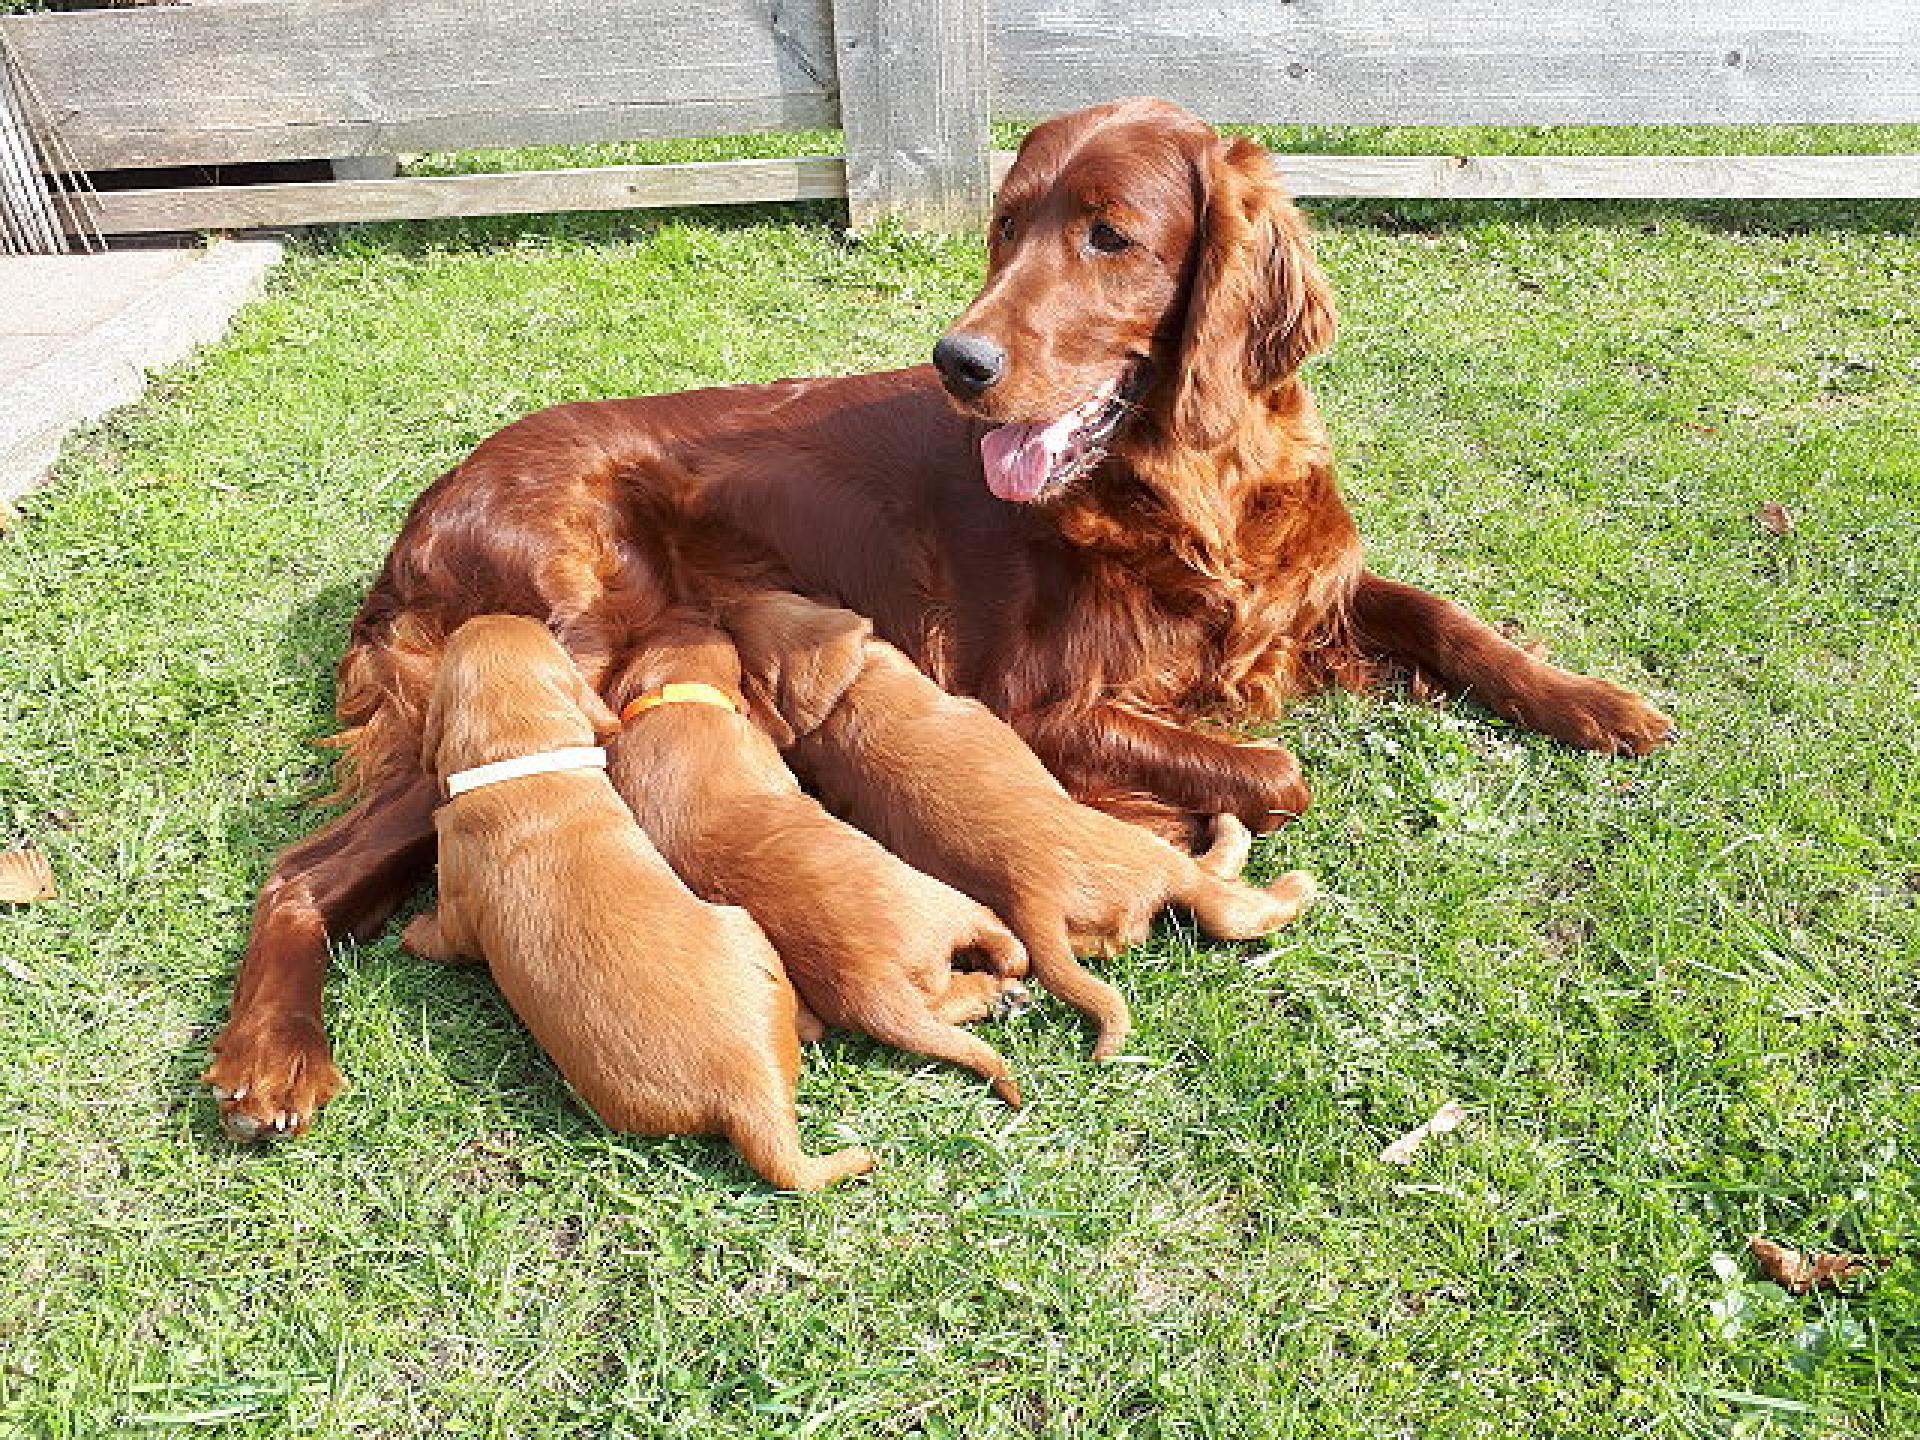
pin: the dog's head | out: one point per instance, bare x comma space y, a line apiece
505, 688
1138, 265
797, 658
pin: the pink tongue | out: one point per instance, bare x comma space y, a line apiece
1018, 458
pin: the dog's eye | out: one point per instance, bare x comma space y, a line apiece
1104, 238
1003, 228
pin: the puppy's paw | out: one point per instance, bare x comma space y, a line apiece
1291, 895
271, 1075
808, 1026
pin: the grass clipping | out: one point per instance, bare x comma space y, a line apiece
1450, 1116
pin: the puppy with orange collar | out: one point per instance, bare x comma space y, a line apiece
667, 1015
954, 791
870, 943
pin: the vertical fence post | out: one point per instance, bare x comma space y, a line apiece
913, 102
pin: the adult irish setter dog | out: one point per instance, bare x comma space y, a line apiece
1108, 510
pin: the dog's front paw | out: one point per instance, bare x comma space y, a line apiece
271, 1075
1597, 714
1268, 788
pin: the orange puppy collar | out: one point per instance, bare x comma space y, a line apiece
680, 692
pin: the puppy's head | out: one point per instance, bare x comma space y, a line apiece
504, 689
797, 658
681, 645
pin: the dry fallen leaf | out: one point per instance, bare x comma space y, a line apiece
25, 877
1449, 1116
1800, 1271
1774, 518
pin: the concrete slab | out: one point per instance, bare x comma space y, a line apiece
78, 334
70, 294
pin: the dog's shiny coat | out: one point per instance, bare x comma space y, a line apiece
668, 1016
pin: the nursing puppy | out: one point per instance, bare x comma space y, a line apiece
667, 1015
869, 942
950, 788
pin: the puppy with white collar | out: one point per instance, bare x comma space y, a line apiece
668, 1016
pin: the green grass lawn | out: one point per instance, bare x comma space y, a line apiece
1680, 996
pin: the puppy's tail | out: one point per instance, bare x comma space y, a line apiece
1055, 967
770, 1143
926, 1034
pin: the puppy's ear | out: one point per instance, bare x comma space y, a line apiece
797, 658
599, 714
433, 729
1259, 305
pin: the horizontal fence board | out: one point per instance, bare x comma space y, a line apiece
1454, 62
1604, 177
439, 197
316, 79
823, 177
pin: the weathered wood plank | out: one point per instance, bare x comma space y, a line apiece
1592, 177
1605, 177
823, 177
612, 187
320, 79
913, 103
1450, 62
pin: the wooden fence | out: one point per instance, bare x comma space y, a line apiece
914, 85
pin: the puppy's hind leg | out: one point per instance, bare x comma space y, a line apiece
910, 1026
1228, 844
1055, 967
430, 936
766, 1133
1230, 910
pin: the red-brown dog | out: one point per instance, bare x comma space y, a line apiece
953, 790
669, 1016
869, 942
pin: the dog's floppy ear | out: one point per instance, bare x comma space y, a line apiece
797, 658
1259, 305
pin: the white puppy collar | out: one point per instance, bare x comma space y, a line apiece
547, 762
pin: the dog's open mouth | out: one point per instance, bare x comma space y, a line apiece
1022, 462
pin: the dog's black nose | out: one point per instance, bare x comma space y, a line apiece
969, 363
